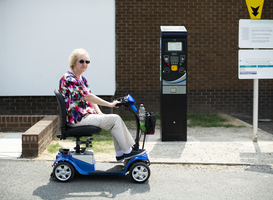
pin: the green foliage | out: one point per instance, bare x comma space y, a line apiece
207, 120
53, 148
128, 118
103, 136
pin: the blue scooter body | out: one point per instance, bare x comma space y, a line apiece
85, 168
85, 164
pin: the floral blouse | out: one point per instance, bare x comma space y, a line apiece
73, 90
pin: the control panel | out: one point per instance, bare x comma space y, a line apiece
174, 61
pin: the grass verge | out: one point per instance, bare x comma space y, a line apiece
208, 120
53, 148
194, 120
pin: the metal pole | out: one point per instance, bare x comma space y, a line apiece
255, 109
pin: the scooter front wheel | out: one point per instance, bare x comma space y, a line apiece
140, 172
63, 171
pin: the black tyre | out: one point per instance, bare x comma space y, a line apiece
140, 172
63, 171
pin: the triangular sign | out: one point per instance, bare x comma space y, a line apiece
255, 8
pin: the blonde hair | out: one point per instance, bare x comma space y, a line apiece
74, 56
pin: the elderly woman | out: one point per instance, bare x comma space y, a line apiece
82, 107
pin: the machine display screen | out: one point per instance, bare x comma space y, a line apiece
175, 46
174, 59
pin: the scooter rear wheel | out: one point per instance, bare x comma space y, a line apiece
140, 172
63, 171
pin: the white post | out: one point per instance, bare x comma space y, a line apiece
255, 109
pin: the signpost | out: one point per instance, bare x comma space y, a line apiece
255, 8
255, 64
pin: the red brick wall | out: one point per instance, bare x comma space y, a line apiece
38, 130
212, 41
27, 105
18, 123
38, 137
212, 27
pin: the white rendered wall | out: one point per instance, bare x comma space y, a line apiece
38, 36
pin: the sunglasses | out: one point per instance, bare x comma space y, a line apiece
82, 61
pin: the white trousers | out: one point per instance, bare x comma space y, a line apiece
122, 138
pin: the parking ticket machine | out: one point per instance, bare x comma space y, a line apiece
173, 69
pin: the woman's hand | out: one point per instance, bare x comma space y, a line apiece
97, 109
115, 103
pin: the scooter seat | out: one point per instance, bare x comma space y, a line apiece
80, 131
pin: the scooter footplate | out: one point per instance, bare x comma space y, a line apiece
108, 168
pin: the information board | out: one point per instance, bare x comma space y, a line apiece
255, 33
255, 64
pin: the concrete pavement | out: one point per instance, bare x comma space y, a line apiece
11, 146
229, 146
215, 146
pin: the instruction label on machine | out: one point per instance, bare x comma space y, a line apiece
255, 33
255, 64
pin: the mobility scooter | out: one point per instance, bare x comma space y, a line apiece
81, 160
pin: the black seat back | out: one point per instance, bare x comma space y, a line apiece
62, 110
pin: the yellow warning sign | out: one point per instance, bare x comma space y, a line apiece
255, 8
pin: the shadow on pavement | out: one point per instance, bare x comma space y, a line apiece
91, 186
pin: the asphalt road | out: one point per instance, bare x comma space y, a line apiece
31, 180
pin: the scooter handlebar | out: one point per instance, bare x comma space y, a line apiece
126, 101
123, 101
120, 104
